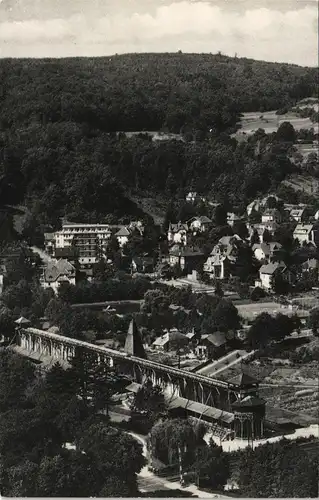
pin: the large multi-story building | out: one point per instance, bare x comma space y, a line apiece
88, 240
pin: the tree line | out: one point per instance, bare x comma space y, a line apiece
61, 153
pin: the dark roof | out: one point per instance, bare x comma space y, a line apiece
242, 379
133, 343
203, 219
185, 252
67, 252
201, 409
271, 268
249, 401
217, 339
55, 270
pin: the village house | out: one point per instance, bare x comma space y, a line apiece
199, 224
143, 264
161, 343
187, 258
271, 215
136, 226
254, 206
307, 233
122, 236
232, 218
267, 272
194, 197
265, 251
212, 346
269, 227
56, 273
218, 266
310, 269
299, 215
222, 257
193, 336
258, 205
170, 340
177, 233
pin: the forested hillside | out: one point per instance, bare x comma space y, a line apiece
59, 153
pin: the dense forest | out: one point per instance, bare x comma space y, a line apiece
61, 155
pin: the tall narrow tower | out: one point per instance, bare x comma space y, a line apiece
133, 344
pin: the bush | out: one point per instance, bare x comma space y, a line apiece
257, 294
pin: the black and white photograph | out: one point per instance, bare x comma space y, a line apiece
159, 249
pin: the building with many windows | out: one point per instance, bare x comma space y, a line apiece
89, 241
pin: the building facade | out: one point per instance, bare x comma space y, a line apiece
88, 240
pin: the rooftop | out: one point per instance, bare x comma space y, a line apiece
201, 409
133, 343
55, 270
242, 379
123, 232
217, 339
302, 228
185, 251
271, 268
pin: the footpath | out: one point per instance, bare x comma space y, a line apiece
148, 481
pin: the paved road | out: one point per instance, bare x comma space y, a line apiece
237, 444
148, 481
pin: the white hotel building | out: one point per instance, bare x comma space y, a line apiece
90, 241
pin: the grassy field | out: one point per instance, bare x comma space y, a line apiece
250, 311
269, 121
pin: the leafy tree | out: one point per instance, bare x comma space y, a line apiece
113, 248
118, 453
174, 438
55, 398
21, 479
18, 295
148, 406
103, 271
279, 285
16, 374
260, 332
240, 228
69, 474
286, 133
267, 238
220, 215
254, 238
7, 325
93, 381
226, 316
278, 470
313, 320
212, 466
257, 293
